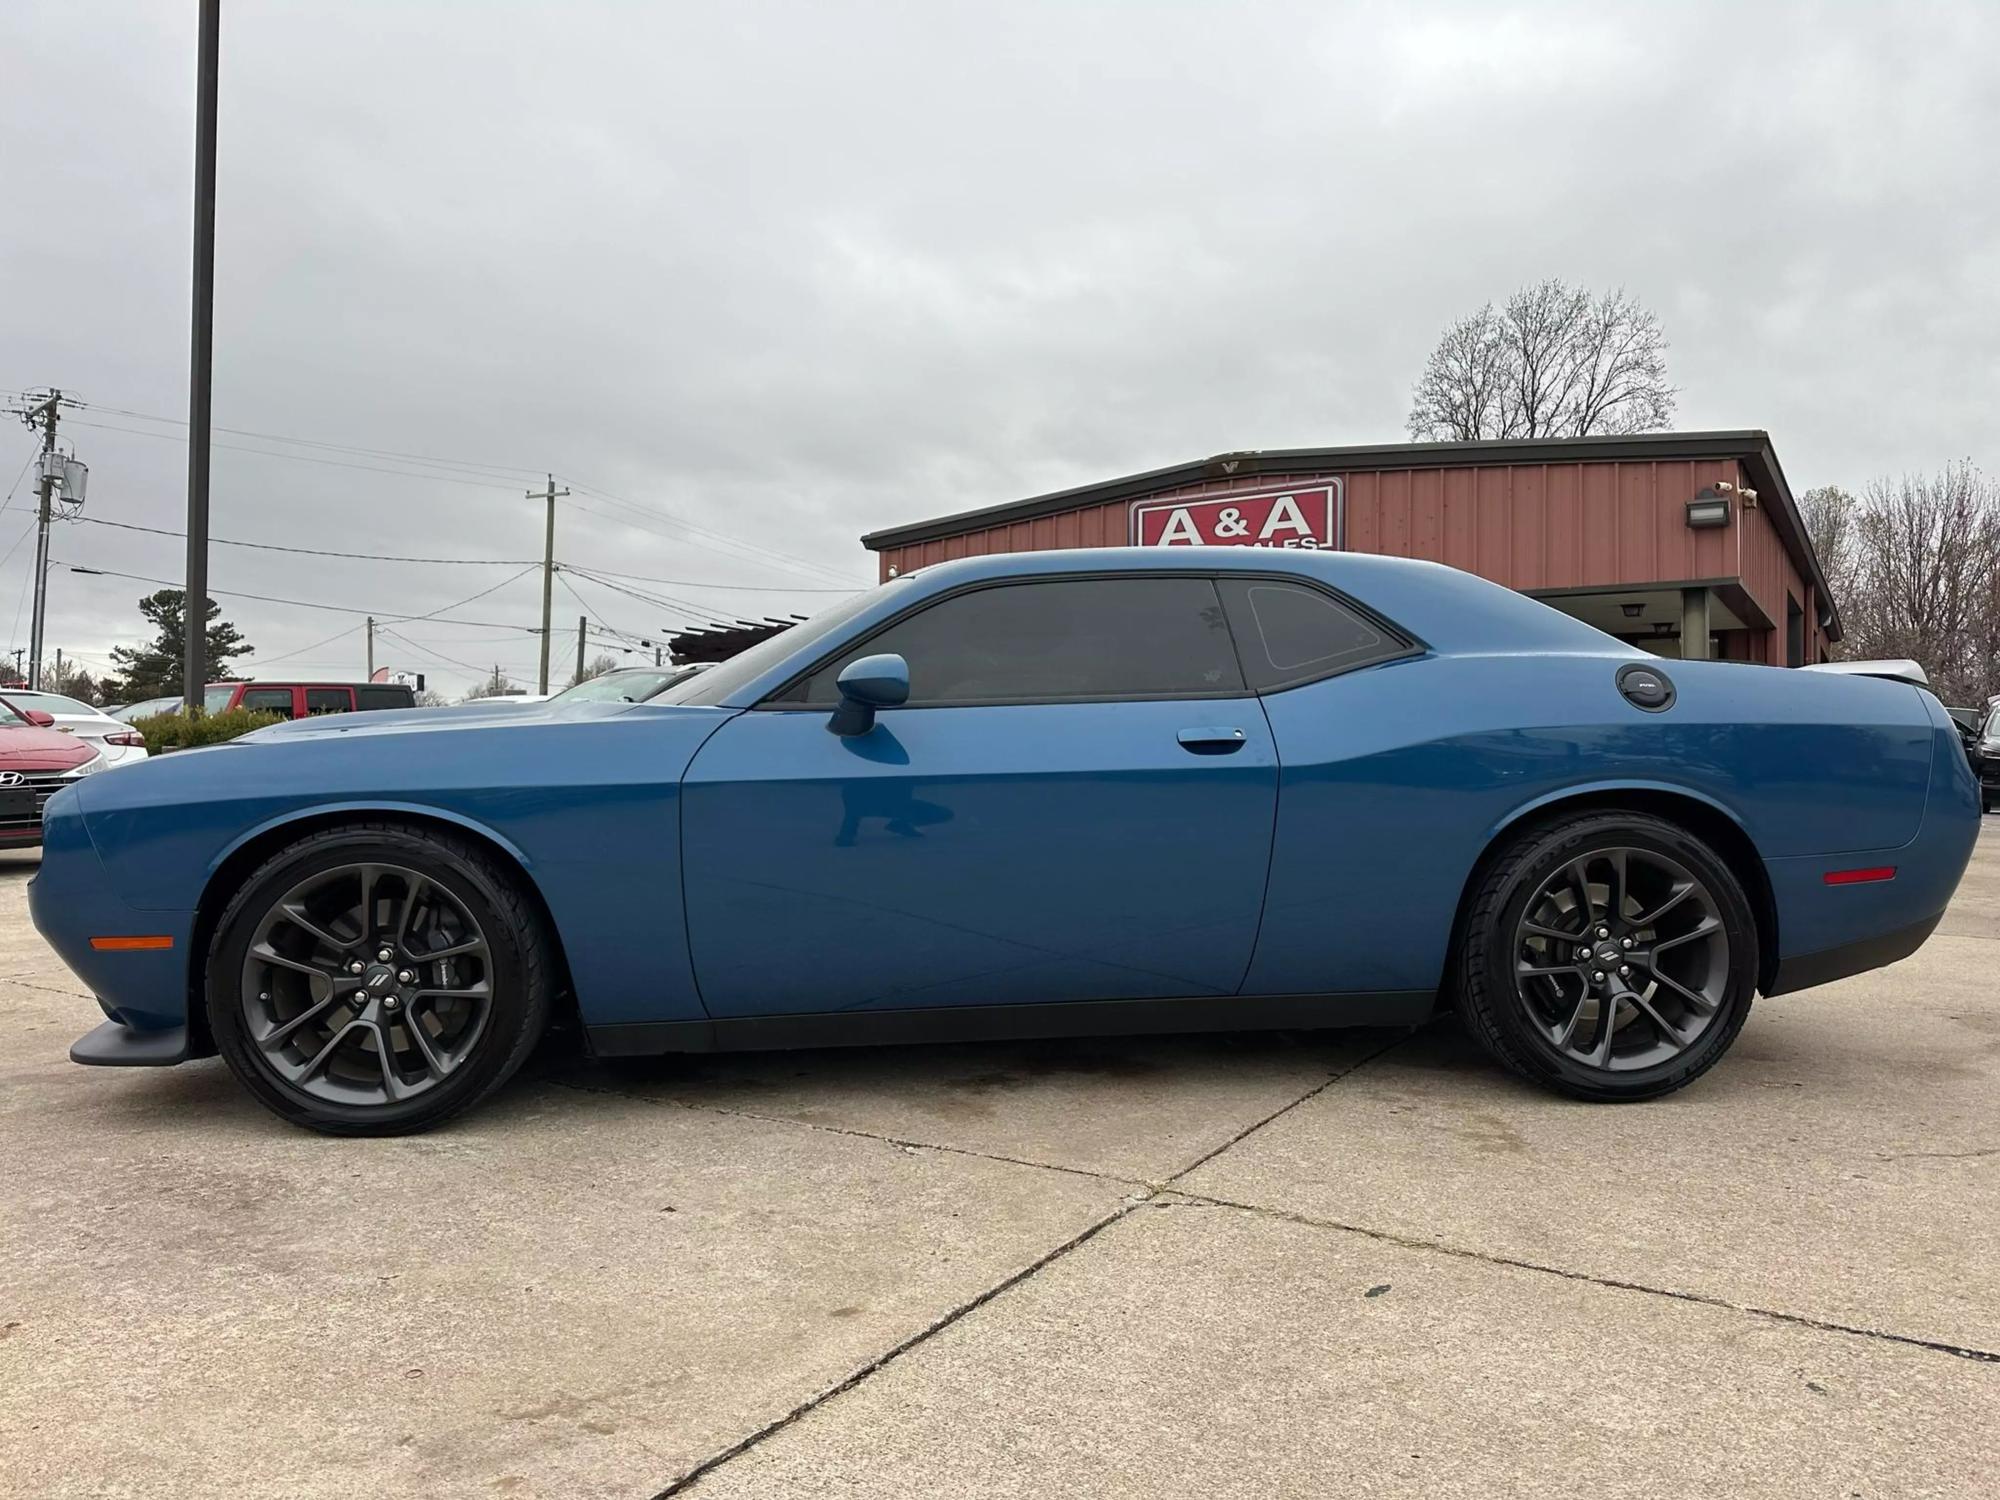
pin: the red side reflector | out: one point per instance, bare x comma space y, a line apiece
126, 944
1860, 877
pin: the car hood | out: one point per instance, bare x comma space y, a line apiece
32, 749
500, 714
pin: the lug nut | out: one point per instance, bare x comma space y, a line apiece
1604, 932
1623, 970
390, 1002
1582, 953
356, 966
386, 954
1624, 942
406, 976
1597, 977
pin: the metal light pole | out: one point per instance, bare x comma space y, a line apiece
194, 612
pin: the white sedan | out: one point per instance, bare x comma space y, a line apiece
120, 744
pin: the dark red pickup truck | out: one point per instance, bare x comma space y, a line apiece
297, 700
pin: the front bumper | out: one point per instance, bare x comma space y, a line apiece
143, 992
113, 1044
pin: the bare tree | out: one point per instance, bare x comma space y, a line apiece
598, 665
1923, 576
499, 685
1554, 362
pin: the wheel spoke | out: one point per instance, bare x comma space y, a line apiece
1567, 1033
477, 990
1668, 1032
411, 896
385, 1046
1695, 998
1681, 892
265, 953
305, 1071
436, 1063
1579, 875
1528, 970
282, 1033
369, 875
1607, 1028
455, 950
1701, 929
295, 913
1619, 885
1539, 929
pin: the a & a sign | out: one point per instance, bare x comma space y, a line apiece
1308, 516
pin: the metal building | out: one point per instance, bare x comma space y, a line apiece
1685, 543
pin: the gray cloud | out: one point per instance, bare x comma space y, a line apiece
796, 271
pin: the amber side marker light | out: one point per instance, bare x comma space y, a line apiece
128, 944
1860, 877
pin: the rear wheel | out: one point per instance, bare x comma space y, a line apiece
377, 979
1610, 955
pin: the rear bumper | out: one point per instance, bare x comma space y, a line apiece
1805, 970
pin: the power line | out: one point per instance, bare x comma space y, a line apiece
477, 562
304, 458
746, 588
345, 609
287, 656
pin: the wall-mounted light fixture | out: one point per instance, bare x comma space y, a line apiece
1709, 508
1633, 611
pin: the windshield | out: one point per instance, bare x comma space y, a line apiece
716, 684
633, 686
56, 703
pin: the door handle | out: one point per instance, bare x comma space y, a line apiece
1211, 740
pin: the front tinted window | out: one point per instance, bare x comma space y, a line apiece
1291, 634
1058, 640
329, 701
216, 699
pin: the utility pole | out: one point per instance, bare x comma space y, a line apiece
201, 359
548, 575
371, 648
46, 490
582, 623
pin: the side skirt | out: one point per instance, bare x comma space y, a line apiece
996, 1023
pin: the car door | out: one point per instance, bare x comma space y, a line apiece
1075, 804
269, 700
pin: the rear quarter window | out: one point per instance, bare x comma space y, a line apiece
1289, 633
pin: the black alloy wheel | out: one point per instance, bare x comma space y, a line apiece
1610, 955
377, 979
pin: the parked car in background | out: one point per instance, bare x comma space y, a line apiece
627, 684
1985, 755
1060, 793
307, 700
36, 761
118, 742
145, 708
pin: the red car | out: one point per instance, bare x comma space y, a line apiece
35, 760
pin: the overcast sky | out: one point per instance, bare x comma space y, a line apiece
793, 272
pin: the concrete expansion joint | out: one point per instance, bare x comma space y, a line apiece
896, 1351
1182, 1198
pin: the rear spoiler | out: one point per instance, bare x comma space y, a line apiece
1897, 669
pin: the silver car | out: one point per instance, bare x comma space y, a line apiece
118, 743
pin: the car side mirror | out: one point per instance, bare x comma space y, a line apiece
868, 684
39, 717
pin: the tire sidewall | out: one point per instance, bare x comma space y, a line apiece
1555, 847
512, 1007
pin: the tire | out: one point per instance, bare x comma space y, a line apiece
1515, 980
303, 1015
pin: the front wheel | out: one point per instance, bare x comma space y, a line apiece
1610, 956
377, 979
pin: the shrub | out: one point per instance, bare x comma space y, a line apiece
176, 731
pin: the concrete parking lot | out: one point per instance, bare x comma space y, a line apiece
1318, 1264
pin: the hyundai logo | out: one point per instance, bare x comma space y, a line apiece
12, 778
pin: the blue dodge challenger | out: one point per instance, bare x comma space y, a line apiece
1131, 790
